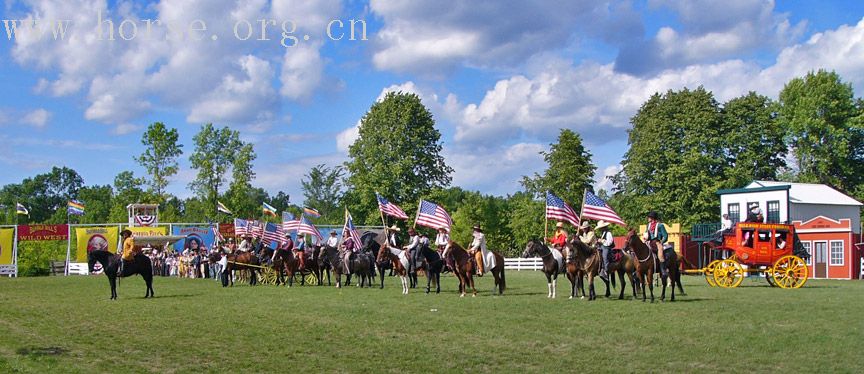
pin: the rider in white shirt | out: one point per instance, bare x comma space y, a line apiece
333, 240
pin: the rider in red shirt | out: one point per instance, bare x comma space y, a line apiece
560, 238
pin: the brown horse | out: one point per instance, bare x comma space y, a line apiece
238, 261
399, 260
465, 269
284, 263
587, 265
622, 267
644, 262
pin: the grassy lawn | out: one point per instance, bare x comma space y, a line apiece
195, 326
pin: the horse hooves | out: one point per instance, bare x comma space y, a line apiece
570, 298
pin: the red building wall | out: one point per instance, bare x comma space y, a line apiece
826, 230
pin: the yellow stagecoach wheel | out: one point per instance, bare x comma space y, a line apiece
709, 273
728, 273
790, 272
267, 276
310, 279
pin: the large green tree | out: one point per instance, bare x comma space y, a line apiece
755, 147
98, 201
825, 129
676, 158
215, 153
397, 153
45, 195
569, 172
160, 156
322, 190
243, 199
128, 189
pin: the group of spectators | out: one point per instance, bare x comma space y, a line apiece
191, 262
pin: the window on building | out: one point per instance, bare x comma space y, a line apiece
836, 252
807, 249
773, 212
734, 211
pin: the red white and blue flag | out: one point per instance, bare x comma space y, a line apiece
240, 227
594, 207
557, 209
256, 229
272, 233
352, 231
433, 215
216, 233
306, 227
389, 208
289, 223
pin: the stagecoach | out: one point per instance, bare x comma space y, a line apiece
769, 248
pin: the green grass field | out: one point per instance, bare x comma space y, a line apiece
60, 324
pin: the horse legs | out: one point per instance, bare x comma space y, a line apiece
664, 279
591, 294
438, 282
148, 280
606, 282
572, 279
381, 275
428, 281
548, 285
651, 286
643, 285
113, 282
623, 285
471, 282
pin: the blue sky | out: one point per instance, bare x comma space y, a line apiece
501, 78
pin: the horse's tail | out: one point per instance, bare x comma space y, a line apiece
503, 278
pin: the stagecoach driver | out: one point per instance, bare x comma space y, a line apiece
656, 234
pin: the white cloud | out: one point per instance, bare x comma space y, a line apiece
495, 171
436, 36
346, 137
603, 179
37, 118
125, 80
710, 31
291, 173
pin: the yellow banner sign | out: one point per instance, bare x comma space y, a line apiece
94, 238
148, 231
6, 246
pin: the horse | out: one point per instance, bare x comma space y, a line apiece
237, 261
622, 267
363, 265
332, 257
399, 259
465, 268
111, 263
645, 264
587, 263
551, 267
432, 264
282, 261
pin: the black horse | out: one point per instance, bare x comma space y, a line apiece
432, 264
372, 241
111, 265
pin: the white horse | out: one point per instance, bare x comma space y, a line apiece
400, 267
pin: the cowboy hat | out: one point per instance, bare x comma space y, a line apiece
653, 214
443, 228
559, 224
477, 228
333, 232
602, 224
395, 228
585, 225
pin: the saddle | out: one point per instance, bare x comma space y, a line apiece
615, 255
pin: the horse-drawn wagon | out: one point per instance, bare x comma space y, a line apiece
769, 248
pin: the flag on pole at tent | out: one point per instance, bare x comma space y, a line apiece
433, 215
268, 209
240, 228
75, 207
311, 212
216, 233
594, 207
222, 208
21, 209
557, 209
389, 208
352, 231
306, 227
289, 223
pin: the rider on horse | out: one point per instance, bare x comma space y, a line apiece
351, 249
129, 250
393, 239
559, 240
412, 249
300, 251
656, 235
286, 245
586, 235
478, 250
607, 243
441, 241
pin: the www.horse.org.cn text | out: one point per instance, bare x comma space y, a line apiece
286, 32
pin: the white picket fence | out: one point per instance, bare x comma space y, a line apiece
534, 263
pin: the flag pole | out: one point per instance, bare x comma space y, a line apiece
545, 220
68, 241
419, 204
582, 209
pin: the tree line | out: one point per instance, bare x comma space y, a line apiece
684, 145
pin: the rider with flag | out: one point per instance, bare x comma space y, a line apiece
350, 249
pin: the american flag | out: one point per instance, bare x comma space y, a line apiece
240, 229
559, 210
349, 225
272, 233
306, 227
256, 228
289, 223
595, 207
389, 208
432, 215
